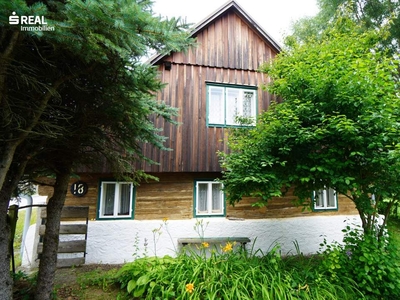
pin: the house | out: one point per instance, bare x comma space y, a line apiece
210, 84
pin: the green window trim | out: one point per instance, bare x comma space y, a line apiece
325, 200
116, 200
209, 199
225, 101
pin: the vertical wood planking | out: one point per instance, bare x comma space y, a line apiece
228, 51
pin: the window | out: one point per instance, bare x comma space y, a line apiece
226, 103
325, 199
116, 200
209, 199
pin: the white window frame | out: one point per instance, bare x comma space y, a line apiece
117, 195
209, 211
321, 199
223, 105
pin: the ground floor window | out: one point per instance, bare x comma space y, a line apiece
116, 200
209, 199
325, 199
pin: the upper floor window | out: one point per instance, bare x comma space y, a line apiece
116, 200
209, 199
225, 103
325, 199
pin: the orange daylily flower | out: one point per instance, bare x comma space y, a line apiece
190, 288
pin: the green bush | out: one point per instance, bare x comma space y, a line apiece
372, 263
142, 274
227, 272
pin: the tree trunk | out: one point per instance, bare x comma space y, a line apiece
48, 259
7, 153
6, 160
6, 283
12, 179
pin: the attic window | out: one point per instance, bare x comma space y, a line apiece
226, 103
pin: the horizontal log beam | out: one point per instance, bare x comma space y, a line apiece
68, 246
70, 212
69, 262
67, 229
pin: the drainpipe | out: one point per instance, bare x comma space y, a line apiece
27, 221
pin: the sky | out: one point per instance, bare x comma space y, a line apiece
274, 16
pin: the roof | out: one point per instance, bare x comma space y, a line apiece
229, 6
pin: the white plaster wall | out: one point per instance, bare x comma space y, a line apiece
115, 242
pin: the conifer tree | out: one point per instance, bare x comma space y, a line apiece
77, 94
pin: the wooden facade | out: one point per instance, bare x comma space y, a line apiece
172, 197
230, 49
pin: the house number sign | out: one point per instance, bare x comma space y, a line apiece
79, 188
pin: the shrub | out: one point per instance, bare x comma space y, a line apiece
225, 273
372, 263
142, 274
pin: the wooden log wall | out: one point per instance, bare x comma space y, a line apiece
90, 199
284, 207
173, 197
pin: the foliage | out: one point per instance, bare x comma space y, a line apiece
302, 271
99, 93
336, 127
394, 231
221, 272
229, 274
78, 95
82, 91
226, 271
139, 276
370, 14
373, 264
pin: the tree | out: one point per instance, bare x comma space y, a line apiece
370, 14
76, 94
111, 133
337, 126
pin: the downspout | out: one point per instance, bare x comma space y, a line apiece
27, 222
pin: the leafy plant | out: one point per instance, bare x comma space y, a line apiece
226, 272
140, 275
372, 263
336, 125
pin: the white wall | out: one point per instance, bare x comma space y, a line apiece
115, 242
